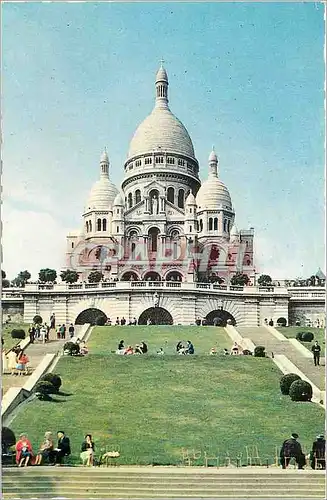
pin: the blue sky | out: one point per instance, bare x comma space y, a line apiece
246, 77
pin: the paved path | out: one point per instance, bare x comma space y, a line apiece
261, 336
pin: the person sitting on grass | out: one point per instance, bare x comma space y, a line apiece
144, 347
235, 349
179, 347
63, 448
83, 349
189, 348
213, 351
138, 349
24, 451
87, 451
225, 352
121, 348
160, 352
46, 449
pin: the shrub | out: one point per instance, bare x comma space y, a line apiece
53, 378
307, 337
7, 437
259, 351
18, 334
43, 389
71, 348
301, 390
37, 320
101, 320
247, 352
286, 381
198, 322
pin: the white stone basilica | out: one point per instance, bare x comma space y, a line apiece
164, 224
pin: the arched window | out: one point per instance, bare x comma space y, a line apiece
153, 239
87, 226
137, 196
215, 223
104, 224
201, 225
72, 244
175, 250
90, 226
99, 225
171, 195
225, 225
181, 198
228, 226
130, 200
210, 224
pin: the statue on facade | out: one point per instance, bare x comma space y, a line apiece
154, 205
156, 299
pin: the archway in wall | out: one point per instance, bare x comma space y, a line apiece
156, 316
152, 276
219, 317
174, 276
129, 276
282, 322
90, 316
153, 239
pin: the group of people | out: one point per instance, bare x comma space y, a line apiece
41, 332
291, 448
185, 349
47, 452
122, 322
16, 361
61, 331
141, 348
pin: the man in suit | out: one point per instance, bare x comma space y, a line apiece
63, 448
291, 448
317, 455
316, 353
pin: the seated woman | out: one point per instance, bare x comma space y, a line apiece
24, 451
138, 349
189, 348
213, 351
235, 349
46, 449
179, 346
22, 361
83, 349
87, 451
144, 347
129, 350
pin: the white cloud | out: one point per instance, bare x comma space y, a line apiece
31, 240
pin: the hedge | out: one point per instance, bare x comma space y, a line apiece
18, 334
286, 381
301, 390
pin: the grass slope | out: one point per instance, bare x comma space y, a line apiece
153, 406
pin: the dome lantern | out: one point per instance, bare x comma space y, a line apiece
162, 87
103, 191
213, 163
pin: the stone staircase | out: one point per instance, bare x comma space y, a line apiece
261, 336
161, 482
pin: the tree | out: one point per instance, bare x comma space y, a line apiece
265, 280
46, 275
239, 279
69, 276
95, 277
5, 283
21, 279
3, 274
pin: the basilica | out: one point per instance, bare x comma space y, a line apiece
163, 223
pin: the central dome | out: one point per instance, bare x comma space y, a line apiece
161, 130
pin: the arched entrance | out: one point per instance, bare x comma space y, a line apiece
174, 276
152, 276
153, 239
219, 317
129, 276
157, 316
91, 316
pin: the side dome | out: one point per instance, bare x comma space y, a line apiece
102, 195
213, 194
118, 201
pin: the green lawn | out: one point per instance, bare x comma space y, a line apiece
6, 333
319, 334
152, 406
105, 339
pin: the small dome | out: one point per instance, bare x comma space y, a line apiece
119, 200
234, 231
190, 200
213, 194
161, 75
102, 195
213, 157
104, 157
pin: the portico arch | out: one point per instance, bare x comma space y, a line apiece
151, 276
130, 276
174, 276
220, 317
90, 316
156, 316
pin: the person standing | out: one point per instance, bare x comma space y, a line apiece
53, 321
63, 448
316, 349
31, 332
63, 331
43, 333
71, 330
291, 448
